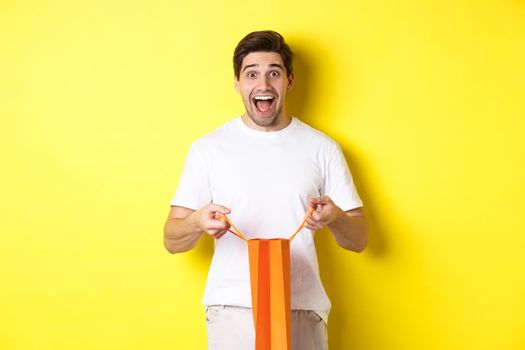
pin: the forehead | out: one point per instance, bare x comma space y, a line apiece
262, 59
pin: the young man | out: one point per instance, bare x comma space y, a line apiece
264, 170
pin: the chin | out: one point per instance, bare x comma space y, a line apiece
263, 121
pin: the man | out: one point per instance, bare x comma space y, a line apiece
264, 170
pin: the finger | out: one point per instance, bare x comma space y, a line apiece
223, 219
325, 200
217, 225
220, 234
310, 227
319, 220
215, 233
320, 200
214, 236
314, 227
220, 217
314, 201
316, 216
310, 222
226, 231
218, 208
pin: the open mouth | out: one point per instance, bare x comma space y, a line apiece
264, 103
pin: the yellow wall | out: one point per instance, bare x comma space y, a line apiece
100, 100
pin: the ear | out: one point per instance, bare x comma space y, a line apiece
291, 81
236, 84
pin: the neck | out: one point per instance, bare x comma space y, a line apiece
281, 122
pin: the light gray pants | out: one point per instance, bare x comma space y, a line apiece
231, 328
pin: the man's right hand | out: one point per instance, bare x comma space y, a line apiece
209, 219
184, 226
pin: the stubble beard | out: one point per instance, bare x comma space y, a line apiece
264, 121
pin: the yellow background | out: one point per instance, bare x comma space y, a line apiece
100, 100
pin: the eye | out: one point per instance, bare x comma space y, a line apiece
251, 75
274, 73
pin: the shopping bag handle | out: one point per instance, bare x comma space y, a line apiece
303, 223
238, 233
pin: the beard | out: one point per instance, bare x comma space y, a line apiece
264, 121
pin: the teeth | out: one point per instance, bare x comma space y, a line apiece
263, 98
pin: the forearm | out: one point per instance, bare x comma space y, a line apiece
350, 232
181, 235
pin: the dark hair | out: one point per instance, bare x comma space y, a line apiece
266, 41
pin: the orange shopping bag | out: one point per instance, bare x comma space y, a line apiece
270, 285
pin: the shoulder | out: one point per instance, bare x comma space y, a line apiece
215, 136
315, 137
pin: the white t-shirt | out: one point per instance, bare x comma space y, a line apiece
266, 179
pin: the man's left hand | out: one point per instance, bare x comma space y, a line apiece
325, 214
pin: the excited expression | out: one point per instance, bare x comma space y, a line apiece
263, 83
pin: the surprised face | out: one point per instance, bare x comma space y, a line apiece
263, 84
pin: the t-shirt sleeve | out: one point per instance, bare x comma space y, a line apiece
193, 191
338, 184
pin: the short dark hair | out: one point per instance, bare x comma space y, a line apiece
266, 41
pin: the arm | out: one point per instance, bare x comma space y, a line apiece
184, 227
349, 228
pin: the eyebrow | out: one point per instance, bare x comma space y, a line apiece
256, 64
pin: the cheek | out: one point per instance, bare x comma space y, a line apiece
246, 95
245, 90
282, 87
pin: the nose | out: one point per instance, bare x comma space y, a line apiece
264, 82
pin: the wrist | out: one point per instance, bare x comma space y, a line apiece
193, 221
339, 213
